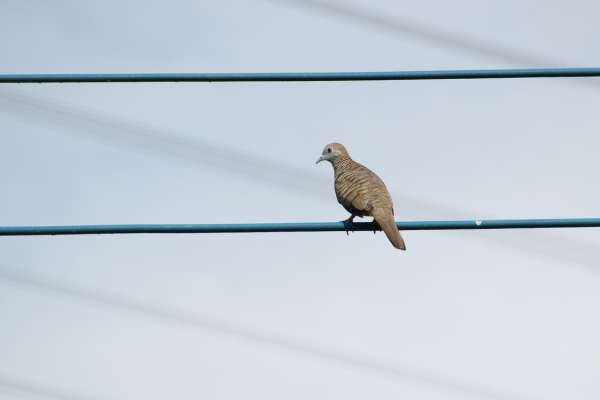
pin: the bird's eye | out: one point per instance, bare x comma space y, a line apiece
329, 150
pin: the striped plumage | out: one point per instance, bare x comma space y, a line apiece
362, 192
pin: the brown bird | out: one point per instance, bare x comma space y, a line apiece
361, 192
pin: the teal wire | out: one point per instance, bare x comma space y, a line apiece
297, 227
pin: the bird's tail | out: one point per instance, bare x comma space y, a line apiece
385, 219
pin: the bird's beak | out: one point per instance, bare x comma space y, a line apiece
319, 160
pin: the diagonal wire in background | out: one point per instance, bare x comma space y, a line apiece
36, 390
427, 33
403, 27
267, 340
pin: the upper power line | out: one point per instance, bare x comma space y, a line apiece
306, 76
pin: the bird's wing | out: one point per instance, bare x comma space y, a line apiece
352, 190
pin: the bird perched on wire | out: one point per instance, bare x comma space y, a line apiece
362, 192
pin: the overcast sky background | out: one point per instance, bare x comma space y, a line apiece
460, 315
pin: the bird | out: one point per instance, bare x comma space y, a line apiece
361, 192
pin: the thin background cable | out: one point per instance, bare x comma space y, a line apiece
432, 35
28, 388
267, 340
429, 34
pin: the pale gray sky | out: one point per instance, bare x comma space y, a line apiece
507, 315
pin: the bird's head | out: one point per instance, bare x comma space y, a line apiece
332, 151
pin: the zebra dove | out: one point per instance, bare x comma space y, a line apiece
361, 192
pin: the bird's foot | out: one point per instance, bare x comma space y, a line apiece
375, 227
348, 224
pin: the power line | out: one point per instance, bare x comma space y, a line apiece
305, 76
267, 340
298, 227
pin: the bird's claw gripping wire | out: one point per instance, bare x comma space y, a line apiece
348, 224
375, 227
